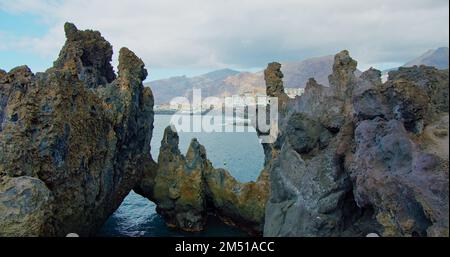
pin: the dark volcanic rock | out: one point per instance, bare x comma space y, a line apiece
343, 77
361, 156
88, 55
72, 139
371, 75
400, 164
416, 96
408, 186
432, 81
354, 158
305, 134
311, 193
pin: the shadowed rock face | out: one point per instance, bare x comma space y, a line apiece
361, 156
72, 139
309, 189
188, 188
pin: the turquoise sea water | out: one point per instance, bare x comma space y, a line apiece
238, 152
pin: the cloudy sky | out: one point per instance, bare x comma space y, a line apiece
195, 36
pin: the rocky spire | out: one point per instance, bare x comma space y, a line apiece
186, 188
372, 76
274, 79
343, 77
170, 141
274, 85
88, 55
130, 64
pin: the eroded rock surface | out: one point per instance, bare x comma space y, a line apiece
400, 163
72, 139
361, 156
187, 188
25, 208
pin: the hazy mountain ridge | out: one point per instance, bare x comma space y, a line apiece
167, 89
227, 82
435, 57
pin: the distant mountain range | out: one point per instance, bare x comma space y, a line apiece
227, 82
434, 57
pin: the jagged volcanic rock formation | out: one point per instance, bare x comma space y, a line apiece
72, 139
361, 156
188, 188
399, 165
357, 157
351, 159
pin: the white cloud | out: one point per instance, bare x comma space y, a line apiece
239, 33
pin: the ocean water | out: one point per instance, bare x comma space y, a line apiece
238, 152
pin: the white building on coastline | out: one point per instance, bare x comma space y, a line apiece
293, 92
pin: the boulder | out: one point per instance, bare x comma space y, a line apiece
25, 207
407, 185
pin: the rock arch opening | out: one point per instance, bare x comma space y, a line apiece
138, 216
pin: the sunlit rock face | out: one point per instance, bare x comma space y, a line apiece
187, 188
72, 139
361, 156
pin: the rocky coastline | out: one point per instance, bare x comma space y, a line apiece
356, 157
